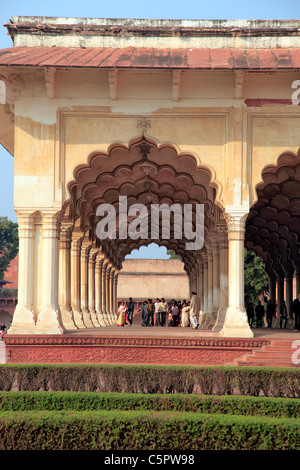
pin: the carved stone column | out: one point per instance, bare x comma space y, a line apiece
104, 312
289, 296
280, 294
108, 293
23, 321
91, 290
98, 288
205, 288
116, 295
223, 244
209, 313
84, 263
64, 278
200, 285
49, 318
112, 295
216, 281
236, 322
75, 280
297, 276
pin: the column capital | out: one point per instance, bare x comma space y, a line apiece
50, 224
236, 218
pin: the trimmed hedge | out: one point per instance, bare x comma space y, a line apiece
143, 430
273, 382
88, 401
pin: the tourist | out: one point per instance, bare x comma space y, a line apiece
250, 314
194, 310
122, 314
150, 313
283, 314
163, 311
175, 313
185, 317
259, 312
130, 309
157, 312
296, 312
270, 313
143, 310
2, 330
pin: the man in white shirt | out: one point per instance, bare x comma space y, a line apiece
157, 312
194, 310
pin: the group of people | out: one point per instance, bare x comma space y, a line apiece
256, 315
161, 313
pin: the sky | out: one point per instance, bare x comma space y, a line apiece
155, 9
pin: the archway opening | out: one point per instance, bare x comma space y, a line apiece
273, 230
148, 178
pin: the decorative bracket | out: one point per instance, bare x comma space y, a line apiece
113, 83
238, 86
176, 85
50, 82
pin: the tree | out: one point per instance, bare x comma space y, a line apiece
256, 281
9, 243
173, 255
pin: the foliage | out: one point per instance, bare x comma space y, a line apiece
256, 281
81, 401
9, 243
272, 382
173, 255
144, 430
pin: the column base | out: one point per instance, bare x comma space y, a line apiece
23, 322
100, 319
78, 319
236, 324
87, 318
94, 318
220, 320
67, 319
48, 323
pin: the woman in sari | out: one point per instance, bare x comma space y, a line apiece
185, 317
122, 314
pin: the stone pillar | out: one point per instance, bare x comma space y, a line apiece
23, 321
272, 288
91, 291
111, 295
107, 294
223, 244
116, 295
84, 263
200, 286
75, 281
280, 294
64, 278
98, 288
297, 276
289, 296
49, 318
104, 312
205, 288
236, 322
216, 281
209, 313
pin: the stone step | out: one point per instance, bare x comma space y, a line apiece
276, 354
